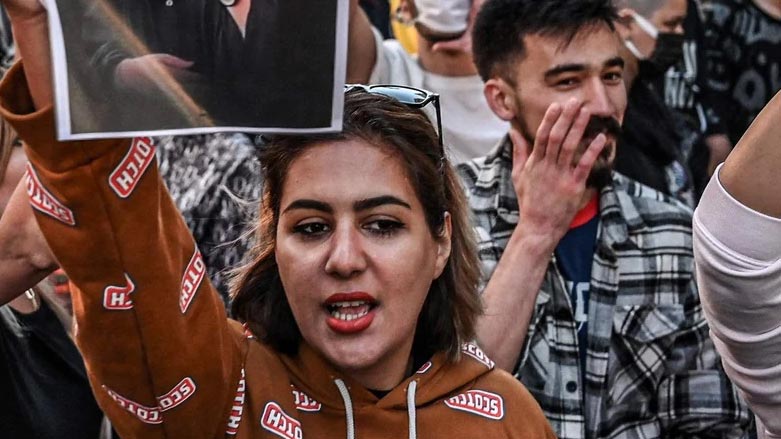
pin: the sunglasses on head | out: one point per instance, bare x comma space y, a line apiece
409, 96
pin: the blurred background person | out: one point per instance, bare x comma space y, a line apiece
443, 65
703, 143
743, 59
649, 150
46, 394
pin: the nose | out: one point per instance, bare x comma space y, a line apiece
346, 255
597, 100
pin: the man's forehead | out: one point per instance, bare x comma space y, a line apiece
591, 46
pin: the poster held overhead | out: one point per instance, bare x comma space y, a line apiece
126, 68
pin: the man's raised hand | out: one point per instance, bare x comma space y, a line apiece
549, 178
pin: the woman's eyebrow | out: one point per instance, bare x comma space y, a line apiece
373, 202
360, 205
309, 204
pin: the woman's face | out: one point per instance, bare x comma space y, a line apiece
356, 257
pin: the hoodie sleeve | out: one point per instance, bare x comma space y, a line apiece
738, 254
161, 357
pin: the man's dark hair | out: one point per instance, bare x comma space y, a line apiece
501, 26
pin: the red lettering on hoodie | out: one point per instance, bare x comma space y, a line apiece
43, 201
304, 402
425, 368
148, 415
475, 352
275, 420
128, 173
191, 280
153, 415
179, 394
118, 298
238, 407
479, 402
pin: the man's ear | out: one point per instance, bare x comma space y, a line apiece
501, 98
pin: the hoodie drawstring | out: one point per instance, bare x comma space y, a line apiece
413, 428
348, 408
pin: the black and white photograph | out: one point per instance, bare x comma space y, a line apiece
152, 67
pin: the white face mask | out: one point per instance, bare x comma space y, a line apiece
647, 27
444, 16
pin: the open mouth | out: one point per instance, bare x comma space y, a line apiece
350, 312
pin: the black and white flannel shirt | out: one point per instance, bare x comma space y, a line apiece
216, 182
651, 369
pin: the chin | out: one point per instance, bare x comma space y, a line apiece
352, 355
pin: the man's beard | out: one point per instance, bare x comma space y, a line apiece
602, 171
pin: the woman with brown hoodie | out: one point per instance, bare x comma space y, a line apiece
358, 303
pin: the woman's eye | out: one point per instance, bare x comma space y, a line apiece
383, 227
311, 229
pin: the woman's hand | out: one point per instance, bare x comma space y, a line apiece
22, 10
31, 33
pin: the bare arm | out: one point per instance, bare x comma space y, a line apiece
751, 172
361, 51
25, 258
550, 192
739, 275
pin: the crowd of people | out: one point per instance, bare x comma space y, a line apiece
542, 218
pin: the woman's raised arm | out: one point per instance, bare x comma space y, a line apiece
154, 334
737, 246
751, 173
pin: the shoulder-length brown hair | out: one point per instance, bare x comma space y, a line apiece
451, 308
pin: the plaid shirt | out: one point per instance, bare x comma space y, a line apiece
651, 369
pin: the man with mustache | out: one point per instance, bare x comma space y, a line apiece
590, 295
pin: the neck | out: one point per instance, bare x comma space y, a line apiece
771, 7
588, 195
445, 62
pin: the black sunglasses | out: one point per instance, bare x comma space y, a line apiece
409, 96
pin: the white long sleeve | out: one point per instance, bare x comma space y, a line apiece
738, 254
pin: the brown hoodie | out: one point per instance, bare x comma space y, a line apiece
163, 359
